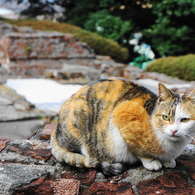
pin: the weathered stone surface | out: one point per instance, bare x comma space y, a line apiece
6, 28
189, 165
66, 187
3, 142
108, 189
10, 113
39, 45
39, 186
86, 177
42, 154
24, 151
28, 52
47, 131
16, 107
171, 183
139, 174
15, 175
27, 167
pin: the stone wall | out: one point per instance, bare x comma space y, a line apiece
27, 52
27, 167
38, 50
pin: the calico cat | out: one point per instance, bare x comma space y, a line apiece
111, 122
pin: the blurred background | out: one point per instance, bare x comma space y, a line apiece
50, 48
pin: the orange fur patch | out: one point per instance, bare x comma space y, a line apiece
134, 123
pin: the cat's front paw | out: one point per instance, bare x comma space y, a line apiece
169, 164
151, 164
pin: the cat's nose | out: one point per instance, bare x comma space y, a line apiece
173, 131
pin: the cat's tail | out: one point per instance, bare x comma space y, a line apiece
81, 161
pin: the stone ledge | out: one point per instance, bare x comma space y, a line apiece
27, 167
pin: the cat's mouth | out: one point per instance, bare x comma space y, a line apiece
174, 137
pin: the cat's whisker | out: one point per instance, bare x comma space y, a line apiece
191, 138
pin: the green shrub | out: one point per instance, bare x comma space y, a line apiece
108, 25
182, 67
100, 45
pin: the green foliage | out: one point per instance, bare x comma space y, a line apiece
173, 31
107, 25
101, 45
117, 20
141, 61
167, 25
182, 67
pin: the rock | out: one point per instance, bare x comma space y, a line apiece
27, 167
4, 72
47, 131
109, 189
133, 72
10, 113
3, 142
66, 187
140, 174
27, 52
6, 28
15, 175
30, 54
16, 107
171, 183
5, 102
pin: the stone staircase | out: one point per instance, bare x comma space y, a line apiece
26, 52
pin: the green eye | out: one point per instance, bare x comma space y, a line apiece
165, 117
185, 120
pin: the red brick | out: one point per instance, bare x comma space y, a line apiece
42, 154
38, 187
190, 167
3, 142
66, 187
86, 178
116, 179
108, 189
47, 131
171, 183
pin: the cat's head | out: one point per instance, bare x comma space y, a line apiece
174, 114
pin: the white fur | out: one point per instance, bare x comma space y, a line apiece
121, 151
151, 164
183, 129
173, 145
84, 151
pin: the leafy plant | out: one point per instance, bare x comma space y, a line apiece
107, 25
173, 31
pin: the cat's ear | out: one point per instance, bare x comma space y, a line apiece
164, 93
192, 94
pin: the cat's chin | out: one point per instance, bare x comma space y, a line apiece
174, 138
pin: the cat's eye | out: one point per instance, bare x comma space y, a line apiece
165, 117
185, 120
